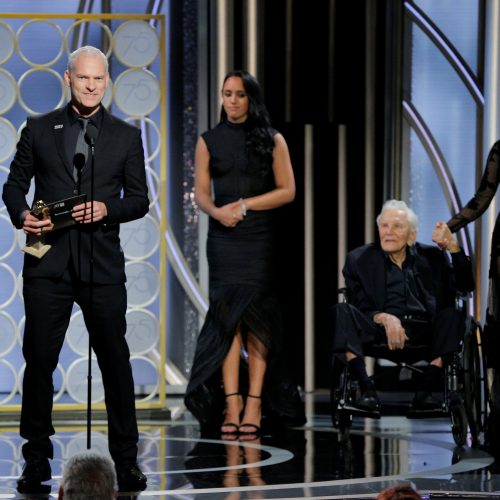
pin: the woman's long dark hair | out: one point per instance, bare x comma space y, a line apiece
259, 136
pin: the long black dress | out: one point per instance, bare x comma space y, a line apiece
474, 208
241, 283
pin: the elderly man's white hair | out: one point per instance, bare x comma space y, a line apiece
88, 475
88, 50
400, 205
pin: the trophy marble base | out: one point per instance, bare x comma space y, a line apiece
36, 247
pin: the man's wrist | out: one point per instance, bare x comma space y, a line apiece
23, 215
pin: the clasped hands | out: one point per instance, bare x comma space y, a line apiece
81, 213
230, 214
443, 237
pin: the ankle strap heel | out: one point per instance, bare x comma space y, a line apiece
252, 396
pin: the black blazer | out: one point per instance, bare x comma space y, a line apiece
365, 277
119, 182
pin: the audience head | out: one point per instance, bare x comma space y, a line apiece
399, 492
397, 226
88, 475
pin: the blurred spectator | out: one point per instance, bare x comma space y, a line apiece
399, 492
88, 475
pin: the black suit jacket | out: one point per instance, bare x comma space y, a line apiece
365, 277
119, 182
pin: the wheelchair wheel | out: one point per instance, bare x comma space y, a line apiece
458, 423
341, 419
344, 426
475, 397
336, 384
492, 429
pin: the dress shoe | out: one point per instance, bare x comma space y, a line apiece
130, 477
35, 471
424, 401
368, 401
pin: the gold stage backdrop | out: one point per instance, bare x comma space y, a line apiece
33, 56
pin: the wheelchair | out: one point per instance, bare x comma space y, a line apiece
464, 392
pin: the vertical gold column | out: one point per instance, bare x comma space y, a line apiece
288, 61
341, 203
309, 258
251, 43
224, 49
370, 55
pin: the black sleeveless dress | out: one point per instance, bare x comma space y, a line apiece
241, 285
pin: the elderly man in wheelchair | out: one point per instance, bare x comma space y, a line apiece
401, 294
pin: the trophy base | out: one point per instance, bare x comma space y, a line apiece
37, 249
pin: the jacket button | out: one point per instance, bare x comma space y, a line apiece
75, 191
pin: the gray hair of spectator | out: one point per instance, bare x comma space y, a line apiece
89, 475
89, 51
400, 205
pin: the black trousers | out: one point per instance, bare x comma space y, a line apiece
48, 305
353, 329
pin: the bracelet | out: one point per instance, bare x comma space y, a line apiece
243, 208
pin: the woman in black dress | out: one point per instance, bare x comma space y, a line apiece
248, 164
474, 208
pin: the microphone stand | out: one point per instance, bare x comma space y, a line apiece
90, 137
79, 163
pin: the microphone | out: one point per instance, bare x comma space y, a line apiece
91, 134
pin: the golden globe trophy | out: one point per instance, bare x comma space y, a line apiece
35, 244
60, 214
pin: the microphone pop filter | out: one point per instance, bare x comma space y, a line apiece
79, 161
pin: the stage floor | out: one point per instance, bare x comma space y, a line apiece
306, 462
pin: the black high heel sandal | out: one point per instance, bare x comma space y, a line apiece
255, 429
234, 427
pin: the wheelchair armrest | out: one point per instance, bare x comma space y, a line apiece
461, 299
344, 291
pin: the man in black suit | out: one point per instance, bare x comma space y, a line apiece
401, 293
48, 152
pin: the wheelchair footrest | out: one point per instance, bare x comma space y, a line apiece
434, 413
358, 412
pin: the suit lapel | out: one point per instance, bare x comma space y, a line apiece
61, 121
425, 280
378, 276
104, 137
105, 131
373, 269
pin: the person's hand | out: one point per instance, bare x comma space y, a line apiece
443, 237
82, 213
230, 214
396, 335
33, 225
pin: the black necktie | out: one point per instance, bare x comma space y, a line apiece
82, 148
